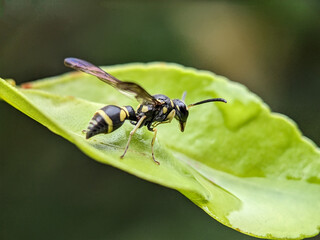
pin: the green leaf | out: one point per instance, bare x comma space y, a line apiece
246, 167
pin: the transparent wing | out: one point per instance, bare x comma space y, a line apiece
125, 87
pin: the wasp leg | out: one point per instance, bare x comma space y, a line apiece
152, 143
150, 127
133, 122
131, 133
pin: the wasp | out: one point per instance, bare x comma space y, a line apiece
152, 110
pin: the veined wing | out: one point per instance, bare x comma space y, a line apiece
125, 87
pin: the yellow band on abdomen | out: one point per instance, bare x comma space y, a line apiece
107, 119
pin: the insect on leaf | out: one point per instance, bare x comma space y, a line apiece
248, 168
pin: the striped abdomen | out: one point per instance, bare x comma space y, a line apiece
108, 119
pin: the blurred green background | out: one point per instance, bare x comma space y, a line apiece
50, 190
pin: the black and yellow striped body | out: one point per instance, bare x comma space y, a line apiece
109, 119
163, 112
152, 111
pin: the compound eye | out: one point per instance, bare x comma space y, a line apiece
181, 110
184, 112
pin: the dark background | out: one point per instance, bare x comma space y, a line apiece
50, 190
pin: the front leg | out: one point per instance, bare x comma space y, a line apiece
167, 120
150, 127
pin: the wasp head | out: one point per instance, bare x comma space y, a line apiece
182, 113
182, 110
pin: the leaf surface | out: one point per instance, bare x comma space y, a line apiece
248, 168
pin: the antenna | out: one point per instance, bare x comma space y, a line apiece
206, 101
184, 96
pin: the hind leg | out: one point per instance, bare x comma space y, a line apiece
152, 143
131, 134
